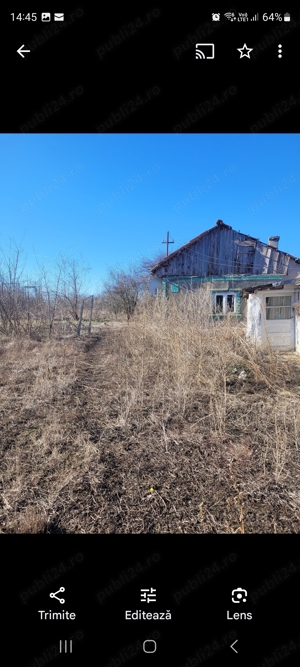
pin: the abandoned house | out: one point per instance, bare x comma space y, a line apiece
252, 280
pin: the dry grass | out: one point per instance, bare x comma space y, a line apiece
90, 425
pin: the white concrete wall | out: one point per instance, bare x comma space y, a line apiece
298, 333
296, 303
255, 324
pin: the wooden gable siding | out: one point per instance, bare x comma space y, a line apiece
222, 251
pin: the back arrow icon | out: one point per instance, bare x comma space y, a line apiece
232, 645
21, 51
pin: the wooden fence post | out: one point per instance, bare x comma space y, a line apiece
80, 318
91, 313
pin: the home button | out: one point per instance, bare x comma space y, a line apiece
149, 646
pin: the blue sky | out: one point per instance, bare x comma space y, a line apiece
110, 199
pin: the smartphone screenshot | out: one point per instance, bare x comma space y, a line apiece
150, 335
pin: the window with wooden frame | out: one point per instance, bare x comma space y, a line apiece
224, 302
278, 307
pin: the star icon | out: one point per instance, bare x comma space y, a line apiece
245, 51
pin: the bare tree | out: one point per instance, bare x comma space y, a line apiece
148, 263
123, 289
12, 297
30, 306
72, 284
51, 285
111, 302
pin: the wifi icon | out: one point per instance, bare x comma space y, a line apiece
199, 55
230, 16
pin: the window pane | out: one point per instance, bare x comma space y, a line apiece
219, 303
230, 302
283, 313
278, 300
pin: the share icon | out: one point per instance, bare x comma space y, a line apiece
53, 595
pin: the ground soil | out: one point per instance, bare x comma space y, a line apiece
72, 463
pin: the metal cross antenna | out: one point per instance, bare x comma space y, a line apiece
168, 243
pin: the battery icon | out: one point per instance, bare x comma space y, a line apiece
286, 17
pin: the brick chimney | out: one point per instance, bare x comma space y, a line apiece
273, 241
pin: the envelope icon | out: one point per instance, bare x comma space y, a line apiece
59, 17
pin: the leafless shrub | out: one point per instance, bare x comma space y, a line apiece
122, 290
34, 306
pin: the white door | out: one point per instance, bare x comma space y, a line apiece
280, 324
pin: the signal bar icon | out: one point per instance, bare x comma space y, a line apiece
255, 18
